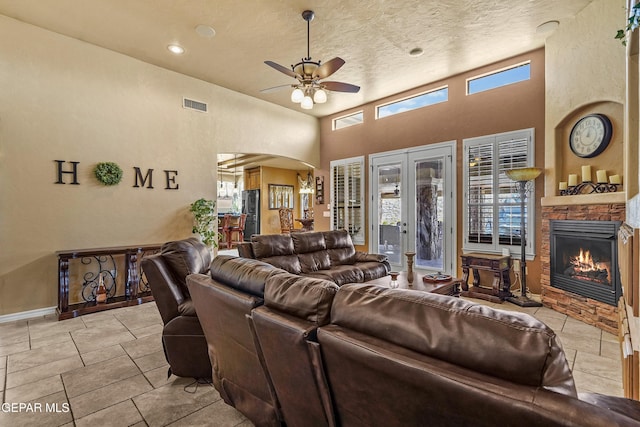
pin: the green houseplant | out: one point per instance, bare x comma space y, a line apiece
204, 214
633, 22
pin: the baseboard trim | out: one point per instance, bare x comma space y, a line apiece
27, 314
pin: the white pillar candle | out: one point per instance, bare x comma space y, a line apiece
615, 179
601, 176
573, 180
586, 173
563, 185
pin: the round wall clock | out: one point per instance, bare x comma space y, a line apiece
590, 135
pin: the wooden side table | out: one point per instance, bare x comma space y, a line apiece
499, 265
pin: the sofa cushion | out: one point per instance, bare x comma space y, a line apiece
372, 270
186, 257
288, 263
508, 345
247, 275
340, 247
308, 242
314, 261
269, 245
303, 297
339, 274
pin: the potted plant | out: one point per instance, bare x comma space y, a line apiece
204, 214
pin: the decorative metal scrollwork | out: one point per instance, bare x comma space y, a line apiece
585, 186
106, 266
143, 286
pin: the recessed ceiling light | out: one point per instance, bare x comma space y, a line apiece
178, 50
547, 27
416, 51
205, 31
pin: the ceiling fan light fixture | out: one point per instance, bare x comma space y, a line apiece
297, 95
307, 103
320, 97
309, 88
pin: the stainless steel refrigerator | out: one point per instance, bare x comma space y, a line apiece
251, 207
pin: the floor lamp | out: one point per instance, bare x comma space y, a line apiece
522, 176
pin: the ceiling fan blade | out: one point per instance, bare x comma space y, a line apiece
275, 88
328, 68
340, 87
282, 69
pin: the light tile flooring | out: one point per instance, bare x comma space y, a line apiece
109, 368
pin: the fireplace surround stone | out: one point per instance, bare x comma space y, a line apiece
590, 311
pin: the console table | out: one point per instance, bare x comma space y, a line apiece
121, 272
499, 265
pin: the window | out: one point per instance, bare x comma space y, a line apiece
491, 200
347, 197
418, 101
515, 74
349, 120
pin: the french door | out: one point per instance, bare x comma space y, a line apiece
413, 208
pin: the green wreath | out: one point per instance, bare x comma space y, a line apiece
108, 173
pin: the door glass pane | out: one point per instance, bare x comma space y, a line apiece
390, 212
430, 214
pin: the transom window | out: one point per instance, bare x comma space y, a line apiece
491, 200
417, 101
348, 120
515, 74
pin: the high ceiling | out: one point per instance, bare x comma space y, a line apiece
374, 38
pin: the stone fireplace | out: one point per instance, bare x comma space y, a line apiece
584, 288
584, 258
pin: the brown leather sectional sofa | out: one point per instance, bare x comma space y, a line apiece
328, 255
301, 351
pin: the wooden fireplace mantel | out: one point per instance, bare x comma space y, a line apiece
585, 199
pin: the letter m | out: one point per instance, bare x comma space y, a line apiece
142, 181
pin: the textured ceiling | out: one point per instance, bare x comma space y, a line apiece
373, 37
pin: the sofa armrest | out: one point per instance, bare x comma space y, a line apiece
621, 405
366, 257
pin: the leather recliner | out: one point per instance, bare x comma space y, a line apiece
224, 300
294, 307
183, 340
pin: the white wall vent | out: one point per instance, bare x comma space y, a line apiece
194, 105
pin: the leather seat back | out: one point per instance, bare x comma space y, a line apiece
224, 301
286, 328
167, 272
441, 360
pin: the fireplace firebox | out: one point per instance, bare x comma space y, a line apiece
584, 258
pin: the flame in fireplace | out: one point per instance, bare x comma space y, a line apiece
585, 266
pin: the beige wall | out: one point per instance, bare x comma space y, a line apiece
585, 73
63, 99
515, 107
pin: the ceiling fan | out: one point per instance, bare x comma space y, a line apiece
309, 89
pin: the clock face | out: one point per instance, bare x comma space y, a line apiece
591, 135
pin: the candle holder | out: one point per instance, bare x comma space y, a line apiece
394, 279
589, 187
410, 256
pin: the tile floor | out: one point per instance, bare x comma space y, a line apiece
112, 362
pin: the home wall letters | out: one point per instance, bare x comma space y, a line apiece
69, 175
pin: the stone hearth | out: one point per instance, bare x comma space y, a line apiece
596, 313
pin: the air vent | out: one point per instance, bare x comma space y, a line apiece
194, 105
